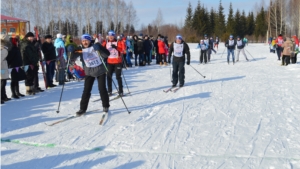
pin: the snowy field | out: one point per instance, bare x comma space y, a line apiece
240, 116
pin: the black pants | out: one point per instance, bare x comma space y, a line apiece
294, 59
286, 60
279, 51
162, 58
32, 76
36, 77
88, 85
178, 67
3, 91
117, 68
203, 54
50, 68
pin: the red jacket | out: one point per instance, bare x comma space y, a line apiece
161, 47
279, 41
115, 54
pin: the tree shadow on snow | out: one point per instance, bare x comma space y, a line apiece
23, 135
6, 152
55, 160
130, 165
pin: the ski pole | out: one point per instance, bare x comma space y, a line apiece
197, 71
170, 74
250, 54
113, 81
125, 81
62, 89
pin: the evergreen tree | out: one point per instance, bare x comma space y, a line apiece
189, 17
260, 22
99, 27
111, 26
196, 17
243, 24
212, 22
220, 21
230, 25
250, 24
132, 30
238, 24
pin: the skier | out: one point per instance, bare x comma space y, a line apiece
216, 43
203, 51
230, 44
240, 48
94, 69
114, 62
245, 40
210, 48
14, 61
279, 41
30, 57
50, 57
179, 49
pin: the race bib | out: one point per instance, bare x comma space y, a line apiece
280, 41
178, 50
231, 42
206, 41
90, 57
113, 52
239, 43
203, 47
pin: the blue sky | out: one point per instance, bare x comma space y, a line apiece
174, 11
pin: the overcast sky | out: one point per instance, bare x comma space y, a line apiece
174, 11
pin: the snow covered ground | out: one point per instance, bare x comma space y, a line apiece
240, 116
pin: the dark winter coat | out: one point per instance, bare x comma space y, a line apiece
29, 53
14, 60
240, 44
147, 45
94, 71
135, 49
230, 45
14, 57
211, 43
49, 51
140, 46
186, 51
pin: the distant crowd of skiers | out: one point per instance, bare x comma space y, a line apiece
287, 49
207, 46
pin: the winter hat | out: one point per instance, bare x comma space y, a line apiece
29, 34
205, 36
111, 33
238, 37
231, 36
118, 37
48, 37
59, 35
86, 37
179, 37
201, 41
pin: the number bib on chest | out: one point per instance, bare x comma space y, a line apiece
239, 43
113, 52
90, 57
178, 50
231, 42
203, 47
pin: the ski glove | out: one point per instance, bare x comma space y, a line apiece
188, 62
114, 46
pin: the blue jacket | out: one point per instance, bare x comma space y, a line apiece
59, 43
202, 46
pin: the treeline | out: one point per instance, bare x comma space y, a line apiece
200, 21
74, 17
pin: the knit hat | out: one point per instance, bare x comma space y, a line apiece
86, 37
29, 34
59, 35
179, 37
201, 41
238, 37
111, 33
48, 37
231, 36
